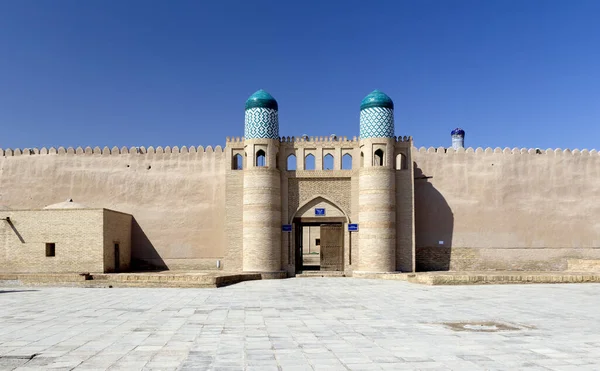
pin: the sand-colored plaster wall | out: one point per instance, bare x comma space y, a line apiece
176, 195
505, 209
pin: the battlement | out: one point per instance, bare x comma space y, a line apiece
320, 139
507, 151
108, 151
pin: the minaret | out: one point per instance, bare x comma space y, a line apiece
458, 138
377, 185
262, 195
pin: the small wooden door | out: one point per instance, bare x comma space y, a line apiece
332, 247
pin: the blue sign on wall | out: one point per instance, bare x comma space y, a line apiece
319, 212
352, 227
286, 228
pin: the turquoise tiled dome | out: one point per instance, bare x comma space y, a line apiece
377, 99
261, 117
376, 116
261, 99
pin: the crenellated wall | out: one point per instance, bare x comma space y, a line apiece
509, 209
176, 195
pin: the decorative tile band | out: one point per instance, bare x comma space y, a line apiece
376, 122
261, 123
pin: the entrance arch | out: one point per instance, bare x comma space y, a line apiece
332, 211
319, 235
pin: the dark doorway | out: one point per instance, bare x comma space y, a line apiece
117, 258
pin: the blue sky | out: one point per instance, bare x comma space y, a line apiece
512, 73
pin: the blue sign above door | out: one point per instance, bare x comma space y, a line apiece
319, 212
286, 228
352, 227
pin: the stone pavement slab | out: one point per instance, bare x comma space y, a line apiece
302, 324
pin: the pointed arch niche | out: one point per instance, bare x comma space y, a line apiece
332, 212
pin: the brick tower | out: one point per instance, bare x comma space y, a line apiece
262, 195
377, 185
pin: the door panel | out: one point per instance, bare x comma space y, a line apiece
332, 247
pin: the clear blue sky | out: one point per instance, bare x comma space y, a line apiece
512, 73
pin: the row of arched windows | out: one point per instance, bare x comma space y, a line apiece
328, 161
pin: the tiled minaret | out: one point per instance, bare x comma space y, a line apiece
262, 195
458, 138
377, 185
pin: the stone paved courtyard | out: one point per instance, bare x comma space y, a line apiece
302, 324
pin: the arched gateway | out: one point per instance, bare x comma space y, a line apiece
324, 203
320, 241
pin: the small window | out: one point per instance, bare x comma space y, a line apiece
378, 159
328, 162
317, 242
261, 158
291, 162
401, 162
309, 162
50, 249
237, 162
362, 159
347, 162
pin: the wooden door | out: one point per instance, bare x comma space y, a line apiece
332, 247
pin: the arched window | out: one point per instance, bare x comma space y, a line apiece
378, 158
277, 160
237, 162
261, 158
347, 162
309, 162
291, 162
401, 161
362, 159
328, 162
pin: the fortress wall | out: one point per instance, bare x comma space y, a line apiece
176, 195
505, 209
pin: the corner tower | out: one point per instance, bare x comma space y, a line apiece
262, 195
377, 185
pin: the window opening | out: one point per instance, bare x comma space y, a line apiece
237, 162
378, 158
328, 162
261, 158
401, 162
309, 162
50, 249
347, 162
291, 162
